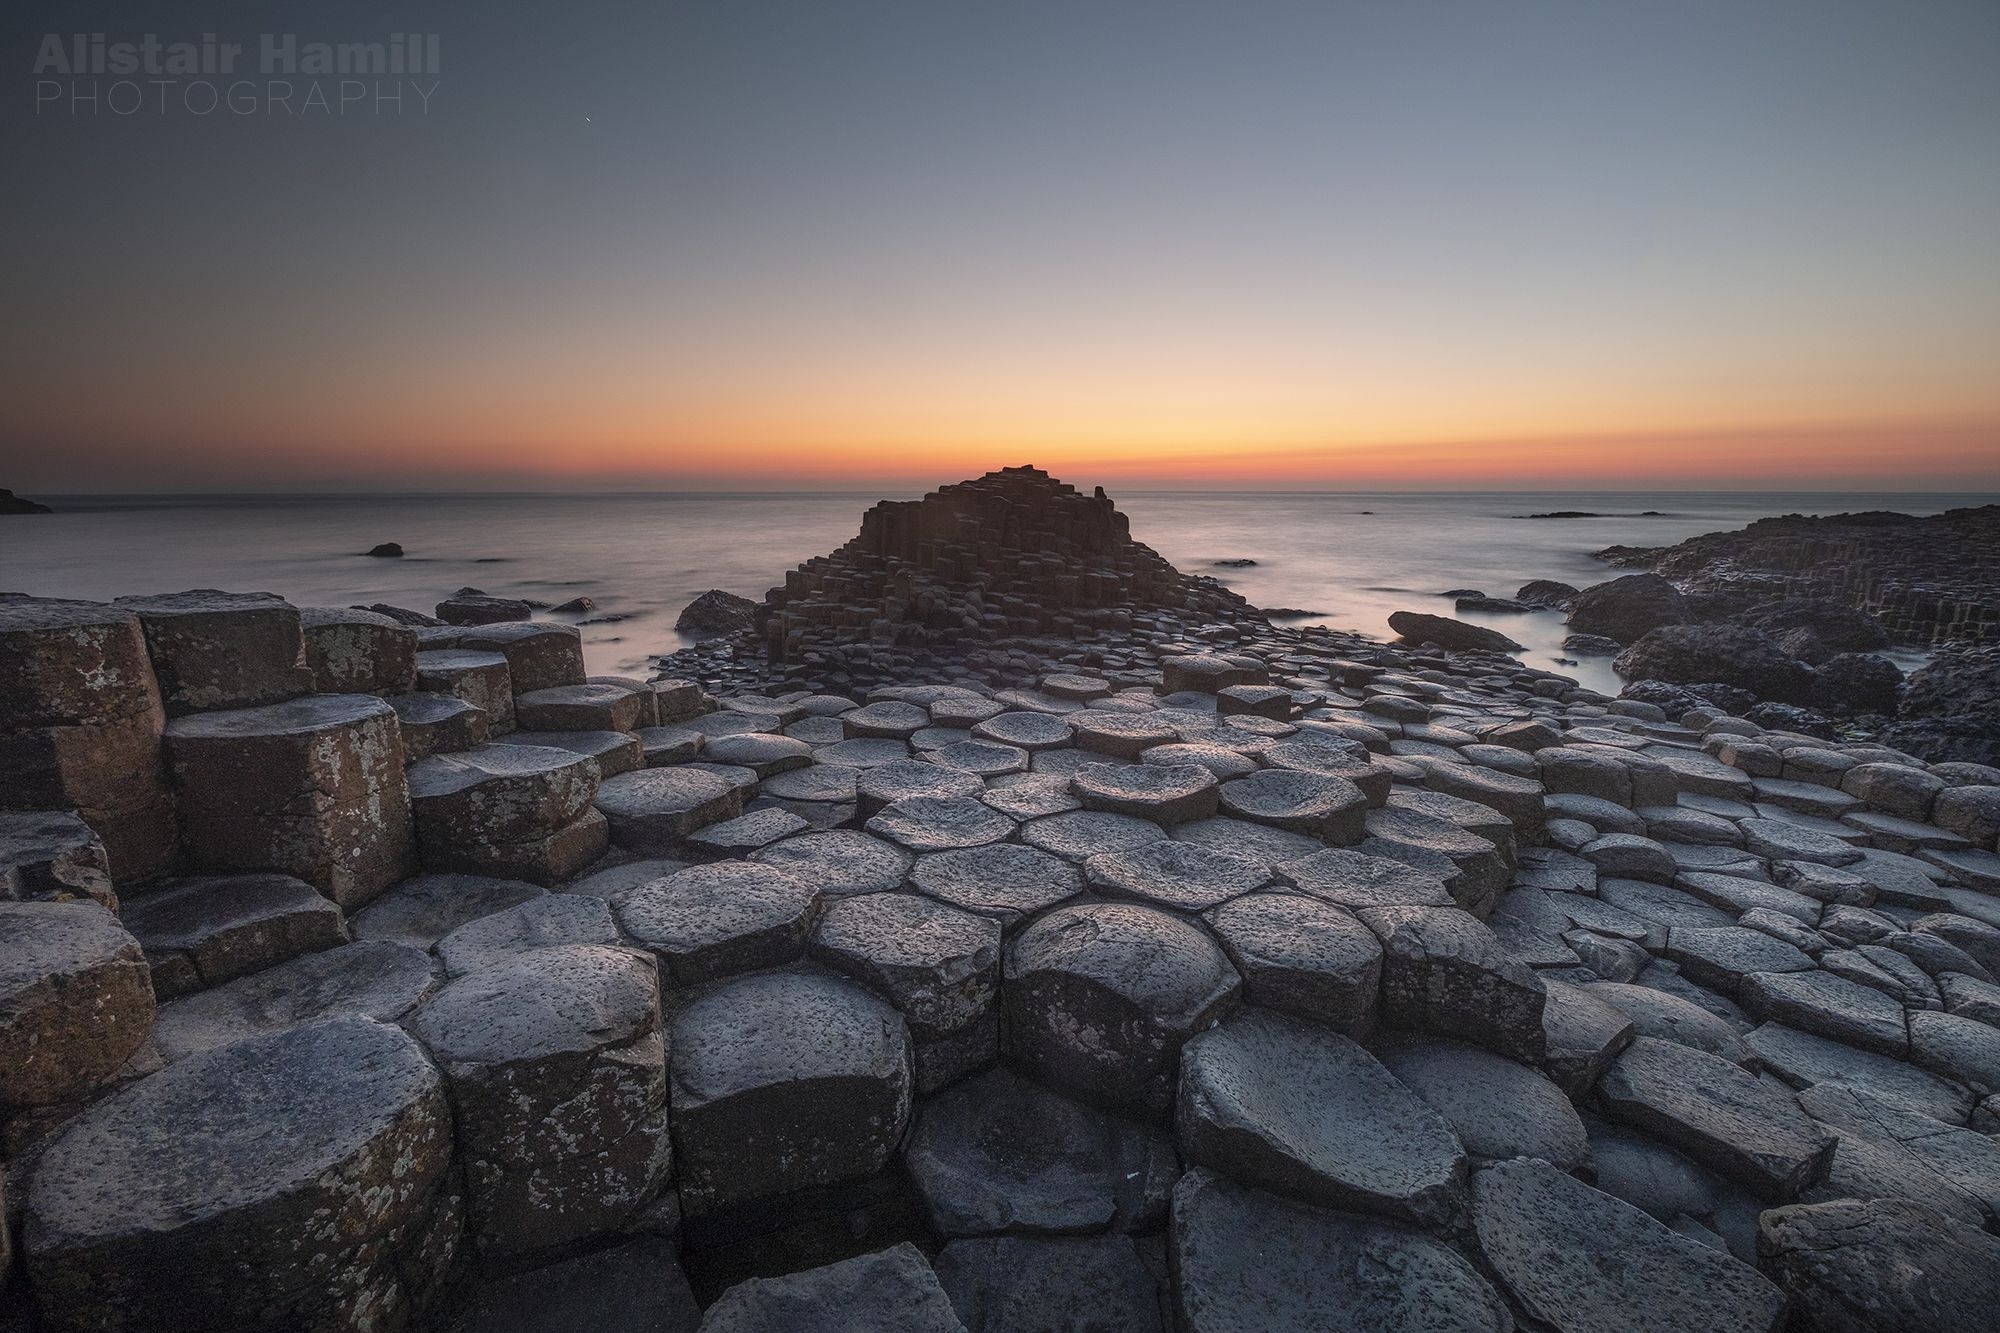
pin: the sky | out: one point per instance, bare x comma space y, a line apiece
740, 244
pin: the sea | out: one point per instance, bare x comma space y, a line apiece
1351, 559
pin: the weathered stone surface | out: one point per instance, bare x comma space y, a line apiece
1100, 998
543, 922
314, 788
350, 651
540, 656
1497, 1108
1581, 1261
1880, 1266
557, 1068
1889, 1152
904, 779
1031, 796
1718, 1114
1177, 875
981, 758
577, 708
1167, 794
75, 1000
1000, 1154
1272, 847
746, 834
438, 724
1303, 957
1804, 1060
425, 908
1082, 834
891, 1290
1023, 1284
839, 862
1305, 1112
215, 650
1026, 731
53, 856
615, 751
940, 824
1002, 880
1656, 1013
1958, 1048
480, 679
1248, 1262
784, 1082
1830, 1006
1722, 956
1120, 735
1583, 1035
939, 966
1355, 880
655, 809
470, 606
373, 978
1443, 972
1310, 803
711, 921
202, 932
1206, 673
1455, 636
286, 1180
636, 1287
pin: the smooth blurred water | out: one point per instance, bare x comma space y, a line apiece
644, 556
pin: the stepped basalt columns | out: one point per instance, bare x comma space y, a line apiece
1014, 552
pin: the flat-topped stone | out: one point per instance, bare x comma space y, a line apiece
1304, 1112
372, 978
1718, 1114
541, 655
1497, 1107
940, 823
75, 1000
781, 1083
279, 1178
1026, 731
1178, 875
1099, 999
481, 679
53, 856
1166, 794
1082, 834
1006, 881
543, 922
1444, 972
711, 921
1831, 1006
577, 708
1269, 846
1355, 880
425, 908
438, 724
655, 809
1880, 1266
878, 788
214, 650
1310, 803
203, 931
1303, 957
1026, 1284
1805, 1060
351, 651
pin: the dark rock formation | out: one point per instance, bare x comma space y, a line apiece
1625, 608
1951, 708
1546, 593
387, 550
1456, 636
11, 503
716, 612
1728, 654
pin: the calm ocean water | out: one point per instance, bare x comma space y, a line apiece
1354, 557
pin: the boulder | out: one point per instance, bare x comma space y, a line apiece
75, 1001
294, 1180
1099, 999
1857, 685
715, 613
1306, 1113
1455, 636
470, 606
1546, 593
782, 1083
556, 1063
1728, 654
314, 787
1814, 629
1625, 609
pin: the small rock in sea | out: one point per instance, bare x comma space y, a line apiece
1238, 563
610, 619
11, 503
1451, 635
400, 614
1491, 604
1292, 613
387, 550
575, 606
470, 606
1565, 513
1456, 593
1595, 644
1545, 593
716, 612
1625, 608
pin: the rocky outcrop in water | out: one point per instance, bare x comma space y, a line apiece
11, 503
717, 612
1190, 978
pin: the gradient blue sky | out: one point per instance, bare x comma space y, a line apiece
790, 244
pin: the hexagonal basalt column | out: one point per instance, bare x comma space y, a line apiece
215, 649
516, 811
712, 921
314, 788
53, 856
80, 722
1099, 999
76, 1000
358, 652
784, 1082
296, 1180
540, 655
556, 1062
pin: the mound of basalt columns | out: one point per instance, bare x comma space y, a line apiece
1189, 976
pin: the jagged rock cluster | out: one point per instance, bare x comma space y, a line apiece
1012, 553
422, 982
